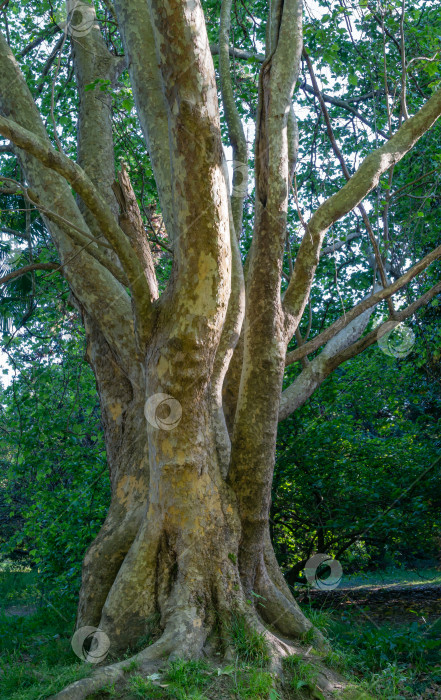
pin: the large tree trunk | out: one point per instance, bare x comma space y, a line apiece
125, 431
181, 564
186, 537
173, 549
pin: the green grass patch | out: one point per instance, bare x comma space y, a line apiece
302, 676
36, 658
250, 646
389, 662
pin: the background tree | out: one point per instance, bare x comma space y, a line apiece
187, 529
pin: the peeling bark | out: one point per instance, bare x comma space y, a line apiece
186, 537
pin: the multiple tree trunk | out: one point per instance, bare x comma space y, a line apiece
186, 536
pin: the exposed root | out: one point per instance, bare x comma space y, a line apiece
102, 562
131, 599
185, 638
326, 681
86, 686
282, 613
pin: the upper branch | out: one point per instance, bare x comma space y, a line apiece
139, 45
346, 344
235, 128
337, 101
199, 182
348, 197
316, 371
367, 303
93, 62
94, 201
97, 291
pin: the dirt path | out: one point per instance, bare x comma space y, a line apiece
392, 602
20, 610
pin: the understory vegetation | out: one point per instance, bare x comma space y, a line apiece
388, 661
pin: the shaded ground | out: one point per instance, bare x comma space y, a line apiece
385, 639
20, 610
392, 602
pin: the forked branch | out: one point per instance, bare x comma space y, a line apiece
347, 198
367, 303
97, 205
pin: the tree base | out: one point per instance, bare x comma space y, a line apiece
276, 670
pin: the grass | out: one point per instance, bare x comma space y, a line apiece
36, 658
385, 662
302, 676
393, 662
249, 645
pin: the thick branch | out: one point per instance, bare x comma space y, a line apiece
98, 292
139, 44
255, 425
383, 294
92, 62
28, 268
359, 185
321, 366
97, 205
340, 349
235, 128
199, 185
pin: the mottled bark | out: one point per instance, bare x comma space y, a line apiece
255, 426
125, 432
186, 536
139, 45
